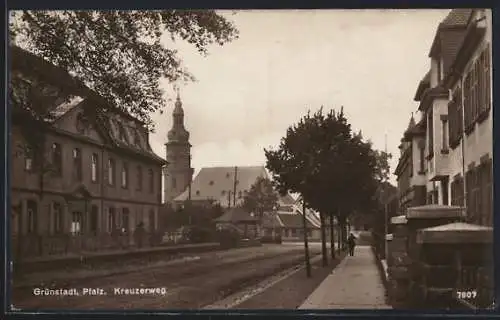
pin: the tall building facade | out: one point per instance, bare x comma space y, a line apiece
91, 179
455, 102
178, 172
411, 166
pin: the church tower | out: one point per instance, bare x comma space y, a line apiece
178, 172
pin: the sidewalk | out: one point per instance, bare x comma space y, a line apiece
354, 284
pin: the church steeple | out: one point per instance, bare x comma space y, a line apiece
178, 173
178, 133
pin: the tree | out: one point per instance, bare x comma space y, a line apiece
119, 55
261, 197
383, 169
331, 167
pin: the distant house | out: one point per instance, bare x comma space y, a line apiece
240, 220
410, 170
287, 221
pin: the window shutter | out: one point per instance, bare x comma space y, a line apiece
468, 193
475, 109
466, 99
50, 218
478, 189
487, 80
451, 125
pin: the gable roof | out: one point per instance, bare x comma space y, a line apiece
71, 94
215, 183
457, 17
294, 221
423, 85
449, 36
29, 63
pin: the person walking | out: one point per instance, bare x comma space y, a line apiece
351, 242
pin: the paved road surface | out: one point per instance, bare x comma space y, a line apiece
190, 284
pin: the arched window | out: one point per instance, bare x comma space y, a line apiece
57, 218
77, 164
139, 178
94, 167
111, 171
32, 209
151, 180
111, 219
57, 159
125, 219
125, 175
152, 220
28, 158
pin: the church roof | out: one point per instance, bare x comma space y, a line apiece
215, 183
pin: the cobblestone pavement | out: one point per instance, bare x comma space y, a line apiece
354, 284
189, 285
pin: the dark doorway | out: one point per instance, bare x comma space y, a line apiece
444, 188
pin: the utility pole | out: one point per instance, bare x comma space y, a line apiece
386, 222
234, 187
306, 244
229, 199
189, 198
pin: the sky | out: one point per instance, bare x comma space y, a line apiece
286, 62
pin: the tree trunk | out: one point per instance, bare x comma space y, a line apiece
332, 237
339, 237
344, 233
306, 245
323, 240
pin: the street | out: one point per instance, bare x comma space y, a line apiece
188, 284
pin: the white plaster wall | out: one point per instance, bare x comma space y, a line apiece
441, 165
434, 73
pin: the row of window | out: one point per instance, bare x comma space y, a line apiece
476, 101
80, 223
77, 173
457, 192
478, 191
